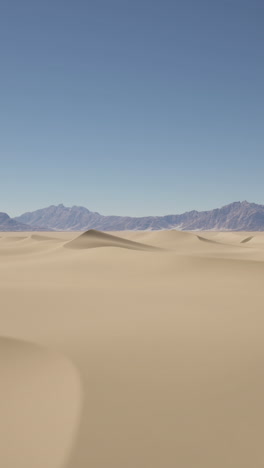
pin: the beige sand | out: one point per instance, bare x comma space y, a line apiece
40, 406
167, 332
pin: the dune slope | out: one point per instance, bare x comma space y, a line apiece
92, 239
40, 400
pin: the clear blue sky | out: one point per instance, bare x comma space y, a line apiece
131, 106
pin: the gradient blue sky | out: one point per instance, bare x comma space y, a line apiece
131, 107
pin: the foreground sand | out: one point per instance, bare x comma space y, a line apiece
164, 329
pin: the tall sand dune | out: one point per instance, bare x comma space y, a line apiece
92, 239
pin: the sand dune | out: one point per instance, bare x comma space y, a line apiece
14, 238
204, 239
92, 239
168, 342
40, 237
248, 239
165, 239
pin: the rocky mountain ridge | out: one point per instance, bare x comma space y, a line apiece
237, 216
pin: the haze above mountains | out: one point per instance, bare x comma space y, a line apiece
237, 216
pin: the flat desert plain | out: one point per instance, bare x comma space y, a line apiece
132, 350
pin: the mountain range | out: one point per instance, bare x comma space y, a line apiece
237, 216
9, 224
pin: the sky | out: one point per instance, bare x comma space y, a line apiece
137, 108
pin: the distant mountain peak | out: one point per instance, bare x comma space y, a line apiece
8, 224
4, 217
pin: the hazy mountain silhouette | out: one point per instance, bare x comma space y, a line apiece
238, 216
9, 224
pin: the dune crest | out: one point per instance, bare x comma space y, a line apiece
203, 239
92, 239
248, 239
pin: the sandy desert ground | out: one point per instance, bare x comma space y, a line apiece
132, 350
